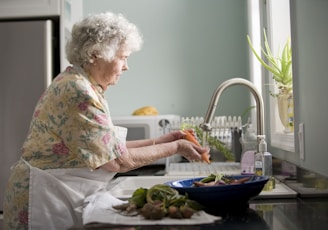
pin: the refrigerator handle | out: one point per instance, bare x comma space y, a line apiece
48, 53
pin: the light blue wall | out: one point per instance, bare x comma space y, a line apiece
190, 47
309, 44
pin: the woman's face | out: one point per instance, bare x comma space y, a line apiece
108, 73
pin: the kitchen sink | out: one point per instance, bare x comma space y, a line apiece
123, 187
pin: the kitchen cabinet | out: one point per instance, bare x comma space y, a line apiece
69, 12
309, 33
30, 8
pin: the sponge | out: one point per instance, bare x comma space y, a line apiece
146, 110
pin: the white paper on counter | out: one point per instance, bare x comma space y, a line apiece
98, 208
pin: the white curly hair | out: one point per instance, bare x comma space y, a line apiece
101, 35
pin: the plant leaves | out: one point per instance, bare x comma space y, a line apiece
280, 67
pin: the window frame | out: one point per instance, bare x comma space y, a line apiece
278, 30
276, 22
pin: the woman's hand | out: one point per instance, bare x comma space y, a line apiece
187, 149
191, 151
169, 137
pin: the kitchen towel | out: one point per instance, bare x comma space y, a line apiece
98, 209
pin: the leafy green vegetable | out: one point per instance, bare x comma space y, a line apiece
212, 177
139, 197
161, 192
154, 203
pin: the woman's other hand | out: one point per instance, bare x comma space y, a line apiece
191, 151
169, 137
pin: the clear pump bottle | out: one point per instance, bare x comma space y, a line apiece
259, 156
267, 166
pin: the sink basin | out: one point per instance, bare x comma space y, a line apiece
123, 187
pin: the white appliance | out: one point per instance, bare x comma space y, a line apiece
148, 127
31, 46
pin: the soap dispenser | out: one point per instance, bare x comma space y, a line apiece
259, 156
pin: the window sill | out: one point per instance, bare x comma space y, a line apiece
283, 141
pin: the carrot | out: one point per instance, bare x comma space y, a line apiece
241, 180
206, 157
190, 137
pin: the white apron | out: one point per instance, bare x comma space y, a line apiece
56, 195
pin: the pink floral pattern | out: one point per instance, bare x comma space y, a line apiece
106, 138
102, 119
60, 149
23, 217
122, 148
36, 113
83, 106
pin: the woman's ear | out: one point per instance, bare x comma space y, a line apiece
93, 58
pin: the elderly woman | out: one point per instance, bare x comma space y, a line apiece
73, 149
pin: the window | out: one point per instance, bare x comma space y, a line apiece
278, 30
274, 16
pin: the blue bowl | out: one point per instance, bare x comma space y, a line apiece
221, 195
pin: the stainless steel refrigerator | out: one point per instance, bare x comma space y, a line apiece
29, 58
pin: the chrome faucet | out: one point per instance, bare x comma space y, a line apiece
206, 125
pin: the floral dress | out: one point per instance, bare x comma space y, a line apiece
70, 128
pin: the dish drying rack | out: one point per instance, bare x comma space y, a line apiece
226, 129
196, 169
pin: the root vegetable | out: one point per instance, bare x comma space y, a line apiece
214, 180
159, 201
174, 212
186, 211
240, 181
152, 211
190, 137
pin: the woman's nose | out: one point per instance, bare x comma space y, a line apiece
125, 66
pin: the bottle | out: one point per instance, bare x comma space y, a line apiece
259, 156
267, 158
248, 139
249, 145
258, 164
267, 171
267, 165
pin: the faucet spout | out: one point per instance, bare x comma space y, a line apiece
206, 125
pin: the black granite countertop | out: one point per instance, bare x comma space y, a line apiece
306, 211
284, 214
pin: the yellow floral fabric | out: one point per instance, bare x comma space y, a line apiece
70, 128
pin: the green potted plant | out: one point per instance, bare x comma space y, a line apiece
281, 69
